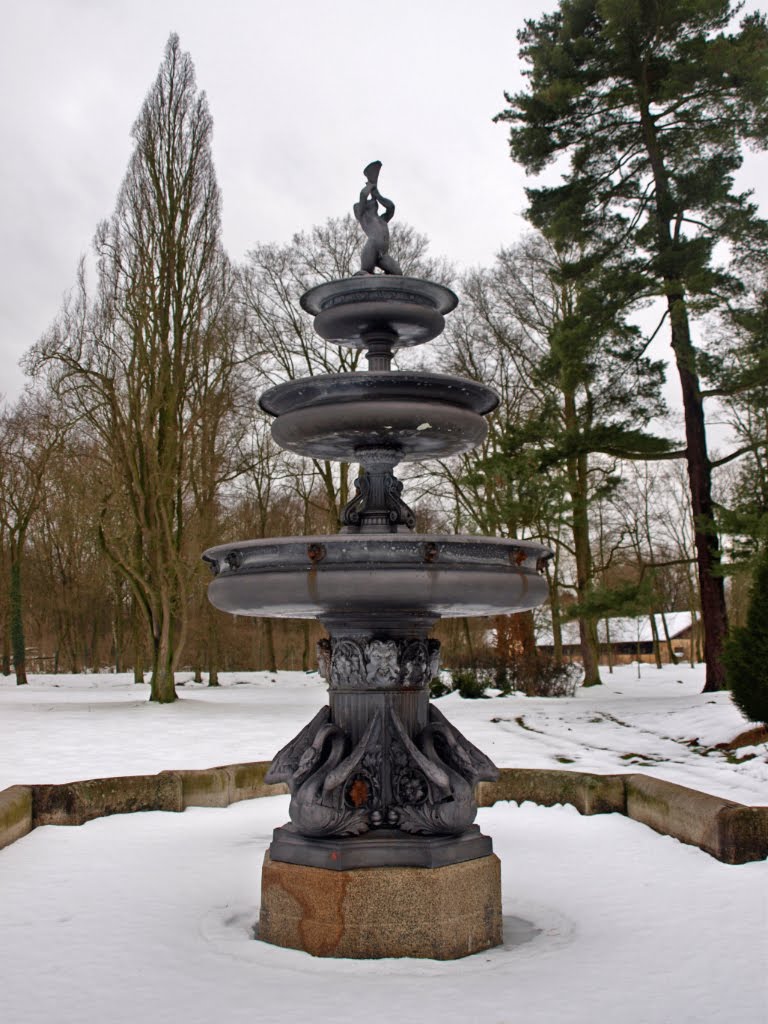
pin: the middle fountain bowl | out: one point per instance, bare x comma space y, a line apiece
413, 577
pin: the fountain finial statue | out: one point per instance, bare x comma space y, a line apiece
375, 225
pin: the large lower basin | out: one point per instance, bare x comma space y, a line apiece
346, 574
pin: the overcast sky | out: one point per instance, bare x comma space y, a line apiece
303, 95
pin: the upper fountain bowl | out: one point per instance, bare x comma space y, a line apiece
350, 311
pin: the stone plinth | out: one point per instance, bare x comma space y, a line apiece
366, 913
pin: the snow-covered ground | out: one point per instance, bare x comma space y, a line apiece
149, 917
62, 728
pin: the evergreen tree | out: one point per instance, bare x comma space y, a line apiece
653, 103
583, 386
739, 370
746, 653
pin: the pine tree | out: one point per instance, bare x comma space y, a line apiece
653, 103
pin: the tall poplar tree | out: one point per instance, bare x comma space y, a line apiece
653, 102
128, 361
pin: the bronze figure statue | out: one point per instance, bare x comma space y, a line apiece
375, 225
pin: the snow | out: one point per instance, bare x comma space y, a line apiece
61, 728
149, 917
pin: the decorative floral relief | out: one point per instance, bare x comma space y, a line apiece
351, 663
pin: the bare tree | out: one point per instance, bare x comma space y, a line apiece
29, 435
127, 361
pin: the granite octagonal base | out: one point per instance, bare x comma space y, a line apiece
366, 913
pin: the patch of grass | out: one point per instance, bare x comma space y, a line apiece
732, 758
565, 760
644, 760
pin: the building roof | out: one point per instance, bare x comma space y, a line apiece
623, 630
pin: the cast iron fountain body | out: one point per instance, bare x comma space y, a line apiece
379, 777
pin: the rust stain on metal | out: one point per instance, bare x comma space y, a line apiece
431, 551
358, 793
517, 555
234, 559
316, 553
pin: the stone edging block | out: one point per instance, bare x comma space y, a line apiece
15, 814
246, 781
74, 803
731, 832
587, 792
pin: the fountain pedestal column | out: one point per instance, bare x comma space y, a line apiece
381, 858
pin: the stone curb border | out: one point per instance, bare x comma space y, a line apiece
731, 832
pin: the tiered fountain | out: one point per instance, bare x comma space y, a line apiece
381, 856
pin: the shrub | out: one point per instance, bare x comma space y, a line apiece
548, 679
503, 680
471, 683
746, 653
437, 688
538, 677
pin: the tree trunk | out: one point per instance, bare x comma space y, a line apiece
673, 658
213, 652
578, 486
269, 639
305, 645
137, 623
713, 611
554, 607
587, 627
118, 624
5, 657
589, 651
17, 622
608, 648
655, 637
163, 689
468, 642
